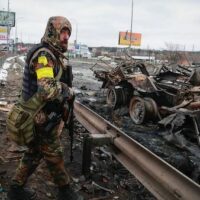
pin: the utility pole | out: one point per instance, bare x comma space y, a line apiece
193, 47
131, 23
76, 32
16, 30
8, 30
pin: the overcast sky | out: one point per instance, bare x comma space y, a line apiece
99, 21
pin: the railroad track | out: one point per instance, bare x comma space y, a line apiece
161, 179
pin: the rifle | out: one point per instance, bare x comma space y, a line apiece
53, 120
70, 125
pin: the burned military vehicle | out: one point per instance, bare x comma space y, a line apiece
153, 95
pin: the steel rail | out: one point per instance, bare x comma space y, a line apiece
161, 179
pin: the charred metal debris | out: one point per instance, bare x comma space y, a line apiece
167, 95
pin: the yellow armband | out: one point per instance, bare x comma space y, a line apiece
43, 60
45, 71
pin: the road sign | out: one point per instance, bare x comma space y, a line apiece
7, 18
125, 38
3, 33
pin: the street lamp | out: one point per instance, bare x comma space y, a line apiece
131, 23
16, 35
76, 32
76, 36
8, 27
16, 22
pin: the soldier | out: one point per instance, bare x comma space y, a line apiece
46, 77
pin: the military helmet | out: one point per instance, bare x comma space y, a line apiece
54, 26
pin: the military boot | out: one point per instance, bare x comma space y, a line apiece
20, 193
66, 192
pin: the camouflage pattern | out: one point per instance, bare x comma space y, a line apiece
53, 30
47, 146
40, 118
48, 88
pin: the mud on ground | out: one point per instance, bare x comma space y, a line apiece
184, 158
108, 179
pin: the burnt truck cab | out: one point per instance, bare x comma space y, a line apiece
144, 92
160, 96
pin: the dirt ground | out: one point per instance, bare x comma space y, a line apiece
184, 158
108, 179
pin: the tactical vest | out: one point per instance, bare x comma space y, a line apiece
20, 120
29, 83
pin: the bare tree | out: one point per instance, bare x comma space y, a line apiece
172, 52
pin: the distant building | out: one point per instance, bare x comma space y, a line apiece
71, 50
144, 58
78, 50
82, 51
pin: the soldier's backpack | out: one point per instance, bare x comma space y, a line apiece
20, 120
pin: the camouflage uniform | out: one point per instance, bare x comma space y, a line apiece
47, 143
46, 146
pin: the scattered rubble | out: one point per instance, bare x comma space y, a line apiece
154, 137
154, 93
108, 179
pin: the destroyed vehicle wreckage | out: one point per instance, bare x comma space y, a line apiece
163, 94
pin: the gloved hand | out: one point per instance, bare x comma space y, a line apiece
68, 100
72, 94
67, 93
65, 113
